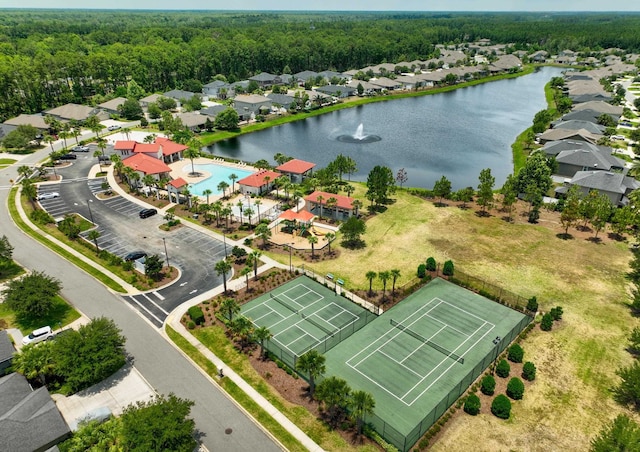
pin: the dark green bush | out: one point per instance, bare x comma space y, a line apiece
191, 325
196, 315
447, 268
488, 385
503, 368
532, 304
547, 322
556, 313
472, 405
422, 271
515, 354
515, 388
431, 264
501, 407
529, 371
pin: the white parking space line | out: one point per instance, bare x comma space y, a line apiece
157, 295
154, 303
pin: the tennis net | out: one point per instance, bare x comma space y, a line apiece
427, 341
283, 303
313, 322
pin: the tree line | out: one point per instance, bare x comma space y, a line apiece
48, 58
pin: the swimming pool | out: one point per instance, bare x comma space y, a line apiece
218, 174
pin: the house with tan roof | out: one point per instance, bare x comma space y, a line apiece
322, 204
111, 106
36, 121
258, 183
296, 170
76, 112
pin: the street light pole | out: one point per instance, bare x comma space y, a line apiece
165, 251
290, 266
90, 213
224, 237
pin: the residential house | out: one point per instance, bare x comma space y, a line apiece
430, 79
124, 148
264, 79
6, 351
36, 121
386, 83
6, 129
578, 99
145, 165
571, 161
162, 149
567, 134
616, 186
218, 89
111, 106
303, 77
328, 75
180, 96
76, 112
600, 107
453, 58
383, 69
193, 121
574, 124
553, 148
539, 57
339, 91
368, 87
587, 115
252, 103
297, 170
409, 82
281, 100
29, 420
506, 63
318, 204
151, 99
258, 183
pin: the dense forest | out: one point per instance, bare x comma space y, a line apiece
51, 57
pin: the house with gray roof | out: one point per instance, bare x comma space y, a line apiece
616, 186
574, 124
150, 99
36, 121
586, 115
409, 82
574, 160
76, 112
383, 68
553, 148
578, 99
180, 95
252, 103
539, 56
217, 89
386, 83
328, 75
282, 100
111, 106
600, 107
340, 91
264, 79
302, 77
29, 420
213, 110
192, 120
6, 351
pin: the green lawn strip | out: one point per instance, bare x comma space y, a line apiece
7, 161
61, 314
238, 395
210, 138
13, 211
518, 150
215, 340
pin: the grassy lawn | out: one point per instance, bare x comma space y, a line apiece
61, 314
576, 362
10, 271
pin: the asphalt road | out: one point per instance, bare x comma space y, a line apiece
122, 231
223, 425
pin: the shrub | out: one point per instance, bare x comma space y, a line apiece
501, 407
431, 264
447, 268
191, 325
529, 371
532, 304
422, 271
503, 368
488, 385
515, 388
472, 405
515, 354
547, 322
196, 314
556, 313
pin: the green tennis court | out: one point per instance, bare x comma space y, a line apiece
417, 358
303, 315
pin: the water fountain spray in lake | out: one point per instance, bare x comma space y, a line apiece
359, 137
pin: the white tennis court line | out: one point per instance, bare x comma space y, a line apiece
400, 364
423, 345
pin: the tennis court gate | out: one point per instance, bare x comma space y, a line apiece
327, 342
404, 443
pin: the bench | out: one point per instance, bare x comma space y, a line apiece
340, 281
329, 276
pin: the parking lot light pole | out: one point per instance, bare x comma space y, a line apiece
224, 238
90, 213
165, 252
290, 266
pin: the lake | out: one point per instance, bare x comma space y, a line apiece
454, 134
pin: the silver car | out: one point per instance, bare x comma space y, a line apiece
48, 195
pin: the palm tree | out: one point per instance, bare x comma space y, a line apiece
266, 182
126, 131
262, 334
242, 328
207, 192
226, 213
330, 237
258, 203
240, 205
29, 190
384, 276
231, 307
361, 404
217, 208
331, 203
249, 213
246, 271
150, 138
93, 123
192, 152
182, 136
357, 205
75, 132
319, 200
187, 196
395, 274
149, 181
35, 361
97, 154
233, 177
313, 363
222, 186
64, 135
334, 392
24, 171
255, 257
94, 235
222, 268
312, 240
371, 275
349, 189
102, 144
49, 139
297, 194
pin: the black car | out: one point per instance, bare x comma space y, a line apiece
134, 256
68, 157
146, 213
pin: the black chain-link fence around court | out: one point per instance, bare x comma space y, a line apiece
404, 442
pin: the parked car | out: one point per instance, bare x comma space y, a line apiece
68, 157
146, 213
617, 137
113, 127
41, 334
81, 148
135, 255
48, 195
